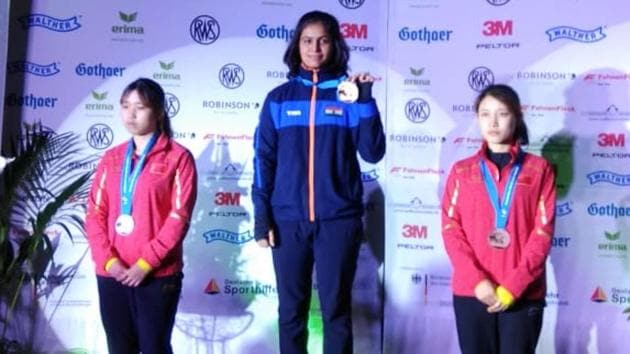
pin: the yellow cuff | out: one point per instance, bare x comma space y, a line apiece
110, 263
144, 265
505, 296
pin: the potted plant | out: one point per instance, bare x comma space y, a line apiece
39, 189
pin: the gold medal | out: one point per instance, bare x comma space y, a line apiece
347, 92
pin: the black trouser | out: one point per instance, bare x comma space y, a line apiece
514, 331
139, 319
333, 247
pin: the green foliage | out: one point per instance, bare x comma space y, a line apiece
39, 190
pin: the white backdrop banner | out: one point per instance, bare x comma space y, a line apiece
569, 60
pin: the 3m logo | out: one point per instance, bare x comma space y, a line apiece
610, 139
497, 28
227, 198
415, 231
354, 31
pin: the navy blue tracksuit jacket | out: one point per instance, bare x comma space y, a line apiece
306, 144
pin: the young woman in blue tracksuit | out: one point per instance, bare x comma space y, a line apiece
307, 190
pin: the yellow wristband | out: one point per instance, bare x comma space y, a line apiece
505, 296
144, 265
110, 263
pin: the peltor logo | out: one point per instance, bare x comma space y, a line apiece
126, 28
351, 4
576, 34
231, 76
599, 295
171, 104
212, 288
480, 77
50, 23
25, 66
417, 110
205, 29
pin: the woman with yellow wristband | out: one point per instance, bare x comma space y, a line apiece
139, 210
498, 214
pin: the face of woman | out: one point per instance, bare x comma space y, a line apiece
496, 122
315, 46
137, 117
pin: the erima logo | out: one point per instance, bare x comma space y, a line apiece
50, 23
294, 113
212, 288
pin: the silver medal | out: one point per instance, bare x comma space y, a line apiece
499, 238
124, 224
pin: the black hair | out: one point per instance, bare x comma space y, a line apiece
337, 63
510, 99
153, 96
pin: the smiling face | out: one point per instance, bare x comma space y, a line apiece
315, 46
497, 123
138, 117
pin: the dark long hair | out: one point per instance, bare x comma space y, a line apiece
153, 96
510, 99
337, 63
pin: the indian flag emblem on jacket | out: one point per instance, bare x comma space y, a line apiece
333, 111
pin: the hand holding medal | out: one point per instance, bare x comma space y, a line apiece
349, 92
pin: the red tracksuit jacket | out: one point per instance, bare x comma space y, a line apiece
163, 202
468, 218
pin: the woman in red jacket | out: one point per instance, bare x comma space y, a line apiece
498, 215
139, 209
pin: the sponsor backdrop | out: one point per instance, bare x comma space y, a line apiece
68, 63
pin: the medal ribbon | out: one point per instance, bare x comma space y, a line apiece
129, 178
501, 206
324, 84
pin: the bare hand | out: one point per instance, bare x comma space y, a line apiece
361, 77
133, 276
270, 240
484, 292
497, 307
117, 270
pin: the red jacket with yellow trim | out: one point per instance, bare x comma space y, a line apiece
163, 202
468, 218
